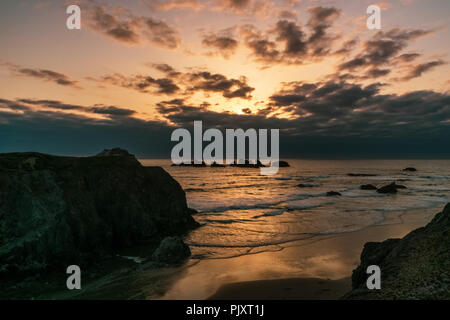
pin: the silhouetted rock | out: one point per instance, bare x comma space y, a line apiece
217, 165
306, 185
191, 164
57, 210
410, 169
171, 250
248, 164
368, 187
361, 175
414, 267
333, 193
391, 188
281, 164
115, 152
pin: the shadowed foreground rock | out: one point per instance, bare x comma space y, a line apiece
414, 267
171, 250
56, 211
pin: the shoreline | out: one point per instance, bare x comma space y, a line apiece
285, 289
318, 268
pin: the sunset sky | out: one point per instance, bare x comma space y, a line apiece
139, 69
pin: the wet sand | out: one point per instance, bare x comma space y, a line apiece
318, 268
297, 288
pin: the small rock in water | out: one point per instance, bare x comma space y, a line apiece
361, 175
306, 185
368, 187
410, 169
333, 193
171, 250
281, 164
391, 188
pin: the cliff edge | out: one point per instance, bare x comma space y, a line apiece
56, 211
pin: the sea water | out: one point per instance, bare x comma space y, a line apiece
243, 212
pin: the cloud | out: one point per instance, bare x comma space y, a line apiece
43, 74
289, 42
24, 104
142, 83
249, 7
382, 51
174, 4
214, 82
417, 70
123, 26
183, 83
223, 42
330, 119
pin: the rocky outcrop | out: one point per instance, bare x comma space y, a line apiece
414, 267
281, 164
333, 193
60, 210
368, 187
361, 175
391, 188
171, 250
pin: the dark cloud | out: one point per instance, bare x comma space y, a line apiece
26, 104
173, 4
330, 119
183, 83
43, 74
344, 109
287, 15
229, 88
112, 111
384, 51
223, 43
290, 43
123, 26
165, 68
145, 84
417, 70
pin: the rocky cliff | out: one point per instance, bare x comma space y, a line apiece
414, 267
56, 211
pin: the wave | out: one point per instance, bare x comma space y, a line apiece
269, 214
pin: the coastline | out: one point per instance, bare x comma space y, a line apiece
317, 268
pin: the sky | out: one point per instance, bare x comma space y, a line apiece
138, 69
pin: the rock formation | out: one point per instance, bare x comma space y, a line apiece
333, 193
171, 250
414, 267
391, 188
56, 211
368, 187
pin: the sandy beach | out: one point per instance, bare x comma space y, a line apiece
318, 268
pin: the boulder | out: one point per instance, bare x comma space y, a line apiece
333, 193
171, 250
368, 187
414, 267
391, 188
410, 169
281, 164
57, 210
307, 185
361, 175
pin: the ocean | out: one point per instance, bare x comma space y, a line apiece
243, 212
